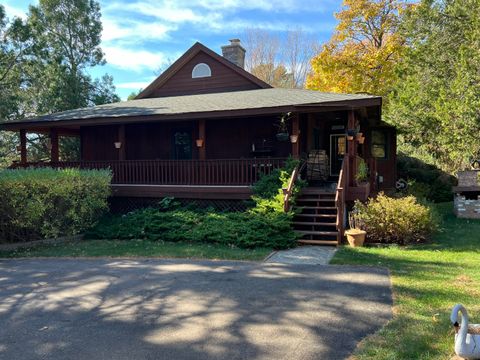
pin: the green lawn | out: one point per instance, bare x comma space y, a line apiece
427, 281
139, 248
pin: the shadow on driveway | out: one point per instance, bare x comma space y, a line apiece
181, 309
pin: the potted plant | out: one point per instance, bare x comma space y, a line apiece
355, 235
361, 190
282, 133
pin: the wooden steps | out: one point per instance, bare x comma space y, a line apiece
316, 219
318, 242
317, 215
313, 223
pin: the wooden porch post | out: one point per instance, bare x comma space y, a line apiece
202, 152
54, 145
295, 132
121, 139
23, 146
352, 149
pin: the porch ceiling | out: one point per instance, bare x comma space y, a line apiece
238, 103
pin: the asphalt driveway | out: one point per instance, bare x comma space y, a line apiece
180, 309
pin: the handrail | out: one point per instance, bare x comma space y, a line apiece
288, 192
341, 190
225, 172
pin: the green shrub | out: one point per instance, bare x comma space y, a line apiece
264, 225
44, 203
268, 194
395, 220
434, 184
243, 230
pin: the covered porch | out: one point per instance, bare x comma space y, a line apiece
190, 157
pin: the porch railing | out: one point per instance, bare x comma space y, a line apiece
227, 172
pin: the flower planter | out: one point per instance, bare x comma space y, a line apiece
283, 136
355, 237
359, 192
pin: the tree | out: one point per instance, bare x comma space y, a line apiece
69, 35
436, 102
15, 47
364, 50
134, 94
277, 76
279, 62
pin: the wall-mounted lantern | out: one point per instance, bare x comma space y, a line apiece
199, 143
351, 134
293, 139
118, 144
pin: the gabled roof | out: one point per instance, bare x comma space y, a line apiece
249, 102
186, 57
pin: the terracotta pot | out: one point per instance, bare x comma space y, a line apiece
355, 237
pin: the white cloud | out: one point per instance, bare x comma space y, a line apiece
13, 11
133, 60
134, 31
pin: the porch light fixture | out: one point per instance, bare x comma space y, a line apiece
118, 144
19, 148
351, 134
199, 143
293, 139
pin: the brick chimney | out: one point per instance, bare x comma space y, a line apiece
234, 53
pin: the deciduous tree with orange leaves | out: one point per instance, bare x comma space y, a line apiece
361, 55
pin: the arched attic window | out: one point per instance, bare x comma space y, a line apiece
201, 70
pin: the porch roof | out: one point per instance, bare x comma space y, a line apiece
249, 102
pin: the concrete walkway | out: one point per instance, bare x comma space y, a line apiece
118, 309
303, 255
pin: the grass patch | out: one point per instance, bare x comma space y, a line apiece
114, 248
428, 280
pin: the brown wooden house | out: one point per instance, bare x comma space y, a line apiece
207, 129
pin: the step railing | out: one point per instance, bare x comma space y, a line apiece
342, 188
288, 192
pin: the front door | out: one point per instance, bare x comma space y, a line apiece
182, 144
338, 148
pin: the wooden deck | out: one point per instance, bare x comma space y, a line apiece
183, 191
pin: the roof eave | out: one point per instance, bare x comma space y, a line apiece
325, 106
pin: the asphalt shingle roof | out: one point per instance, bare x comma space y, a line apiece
175, 105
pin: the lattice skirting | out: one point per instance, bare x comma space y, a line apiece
123, 205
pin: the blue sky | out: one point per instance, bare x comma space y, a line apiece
141, 36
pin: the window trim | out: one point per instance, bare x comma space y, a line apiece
202, 70
386, 144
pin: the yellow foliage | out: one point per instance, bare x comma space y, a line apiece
362, 53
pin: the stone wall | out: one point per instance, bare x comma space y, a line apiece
469, 209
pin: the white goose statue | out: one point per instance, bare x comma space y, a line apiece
467, 337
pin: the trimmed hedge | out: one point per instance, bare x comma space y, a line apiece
48, 203
244, 230
395, 220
